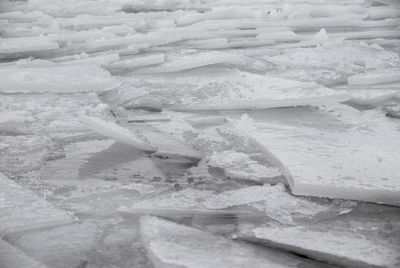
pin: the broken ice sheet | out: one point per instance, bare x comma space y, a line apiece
22, 210
241, 167
375, 77
340, 153
221, 89
173, 245
56, 79
366, 237
12, 257
352, 55
59, 247
264, 202
177, 63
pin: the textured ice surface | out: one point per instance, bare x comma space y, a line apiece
351, 240
23, 210
60, 79
172, 245
355, 152
228, 90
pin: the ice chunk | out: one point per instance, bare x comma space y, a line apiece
188, 62
348, 240
351, 54
85, 59
374, 77
22, 210
174, 245
167, 145
12, 257
25, 45
240, 166
350, 156
280, 36
57, 79
229, 90
119, 133
369, 102
60, 247
138, 61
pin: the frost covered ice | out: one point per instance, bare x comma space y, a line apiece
165, 133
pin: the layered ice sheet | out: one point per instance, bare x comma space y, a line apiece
60, 79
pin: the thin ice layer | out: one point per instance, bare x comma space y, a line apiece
172, 245
22, 210
343, 154
57, 79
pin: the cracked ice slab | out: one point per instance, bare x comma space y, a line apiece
351, 240
22, 210
172, 245
57, 79
353, 155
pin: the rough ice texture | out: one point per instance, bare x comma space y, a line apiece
172, 245
57, 79
353, 157
22, 210
228, 90
349, 240
25, 45
13, 257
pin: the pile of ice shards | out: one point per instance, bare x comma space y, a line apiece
199, 133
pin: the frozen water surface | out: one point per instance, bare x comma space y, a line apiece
199, 133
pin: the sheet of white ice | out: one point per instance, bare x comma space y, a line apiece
57, 79
353, 155
348, 240
374, 77
172, 245
268, 201
216, 89
9, 46
187, 62
22, 210
351, 55
138, 61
